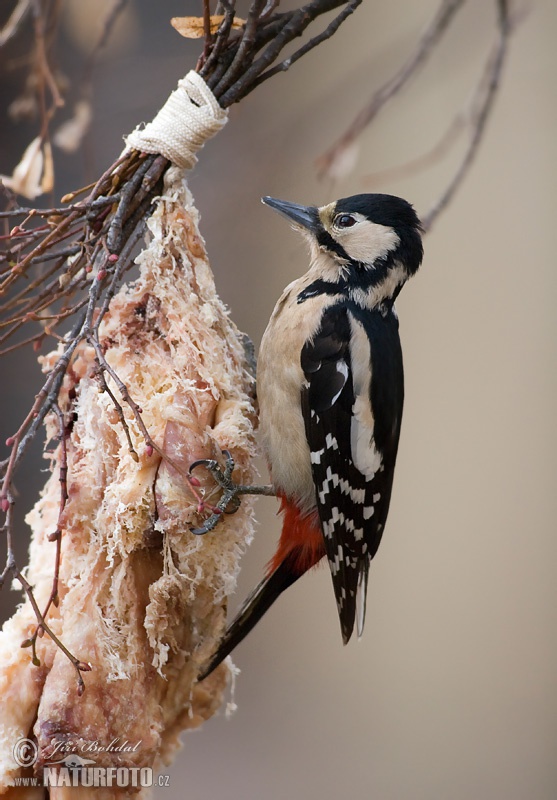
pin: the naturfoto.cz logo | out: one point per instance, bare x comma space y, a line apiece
73, 770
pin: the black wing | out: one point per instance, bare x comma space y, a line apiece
352, 427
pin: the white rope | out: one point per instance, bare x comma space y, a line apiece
190, 116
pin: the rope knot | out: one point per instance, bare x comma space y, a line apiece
190, 116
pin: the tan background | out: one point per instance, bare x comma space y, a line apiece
452, 692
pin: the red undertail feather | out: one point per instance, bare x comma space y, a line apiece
299, 549
301, 541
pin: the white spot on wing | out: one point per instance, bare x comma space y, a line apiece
342, 367
332, 476
358, 495
315, 456
335, 562
336, 516
324, 491
331, 442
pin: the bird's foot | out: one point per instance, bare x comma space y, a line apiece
230, 501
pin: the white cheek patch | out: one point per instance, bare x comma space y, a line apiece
367, 241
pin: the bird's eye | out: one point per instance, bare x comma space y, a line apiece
345, 221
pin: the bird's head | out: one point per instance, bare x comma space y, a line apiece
372, 241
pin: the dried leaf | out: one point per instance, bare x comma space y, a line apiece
70, 134
34, 175
26, 178
193, 27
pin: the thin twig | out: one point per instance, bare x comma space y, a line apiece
15, 20
431, 37
79, 666
106, 30
244, 49
62, 210
42, 57
207, 31
218, 43
317, 40
292, 27
482, 105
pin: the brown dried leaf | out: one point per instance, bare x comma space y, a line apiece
193, 27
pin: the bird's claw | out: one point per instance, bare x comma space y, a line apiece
222, 477
230, 500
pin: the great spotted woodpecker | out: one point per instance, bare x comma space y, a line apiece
330, 389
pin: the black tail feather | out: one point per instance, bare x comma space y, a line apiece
254, 607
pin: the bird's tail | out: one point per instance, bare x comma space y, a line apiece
299, 549
257, 603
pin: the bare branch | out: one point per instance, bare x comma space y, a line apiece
211, 54
15, 20
439, 24
482, 106
106, 31
422, 162
317, 40
242, 59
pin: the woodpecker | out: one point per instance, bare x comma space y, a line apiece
330, 388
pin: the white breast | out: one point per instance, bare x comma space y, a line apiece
279, 384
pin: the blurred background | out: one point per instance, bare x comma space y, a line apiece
452, 691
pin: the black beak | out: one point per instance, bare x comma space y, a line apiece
305, 216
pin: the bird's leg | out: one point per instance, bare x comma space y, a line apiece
230, 500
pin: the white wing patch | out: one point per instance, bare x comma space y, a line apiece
365, 456
367, 459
